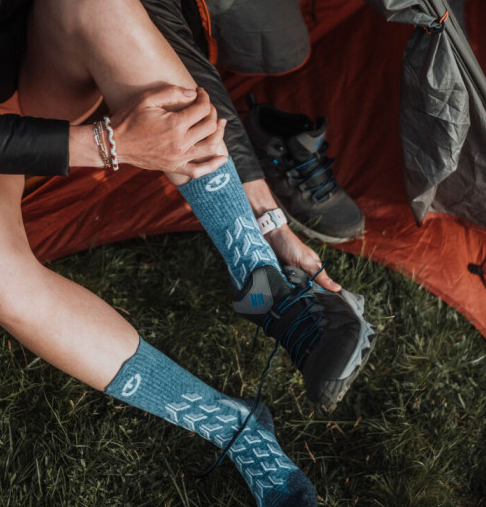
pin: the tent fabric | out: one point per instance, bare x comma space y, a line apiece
254, 37
443, 112
352, 78
359, 93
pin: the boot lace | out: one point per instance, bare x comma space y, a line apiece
307, 322
315, 176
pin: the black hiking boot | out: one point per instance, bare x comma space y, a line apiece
292, 153
324, 332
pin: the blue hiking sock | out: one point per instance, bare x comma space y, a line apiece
152, 382
219, 202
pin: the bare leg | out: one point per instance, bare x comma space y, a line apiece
55, 318
77, 48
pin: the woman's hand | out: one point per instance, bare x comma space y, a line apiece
292, 252
170, 129
288, 248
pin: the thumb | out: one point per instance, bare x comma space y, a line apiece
312, 264
326, 282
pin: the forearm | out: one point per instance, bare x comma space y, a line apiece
288, 247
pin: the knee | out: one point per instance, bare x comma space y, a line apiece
18, 268
16, 257
65, 20
77, 29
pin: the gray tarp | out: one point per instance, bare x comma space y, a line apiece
443, 113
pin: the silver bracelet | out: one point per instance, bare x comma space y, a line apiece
114, 156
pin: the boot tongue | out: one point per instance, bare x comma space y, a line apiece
305, 145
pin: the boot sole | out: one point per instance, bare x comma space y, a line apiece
339, 388
336, 389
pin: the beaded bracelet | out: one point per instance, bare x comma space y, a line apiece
98, 131
114, 156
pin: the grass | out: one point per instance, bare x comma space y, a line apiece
411, 432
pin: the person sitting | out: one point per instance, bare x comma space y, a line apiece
76, 54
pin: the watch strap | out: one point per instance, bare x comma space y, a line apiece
271, 220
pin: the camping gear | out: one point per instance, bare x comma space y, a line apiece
442, 112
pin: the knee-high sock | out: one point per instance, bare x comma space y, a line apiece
219, 202
152, 382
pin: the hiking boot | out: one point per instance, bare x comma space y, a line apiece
292, 153
324, 332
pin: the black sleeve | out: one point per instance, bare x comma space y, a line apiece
33, 146
10, 8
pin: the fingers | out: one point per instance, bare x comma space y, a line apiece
290, 250
324, 280
198, 169
205, 128
203, 156
197, 111
311, 263
211, 145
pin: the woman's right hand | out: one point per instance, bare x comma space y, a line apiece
170, 129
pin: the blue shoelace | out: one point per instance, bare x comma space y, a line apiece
295, 345
316, 168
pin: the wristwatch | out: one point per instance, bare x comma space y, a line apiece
271, 220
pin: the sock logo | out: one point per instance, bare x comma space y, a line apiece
218, 182
131, 387
257, 299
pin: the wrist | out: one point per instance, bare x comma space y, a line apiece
277, 236
83, 150
260, 197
